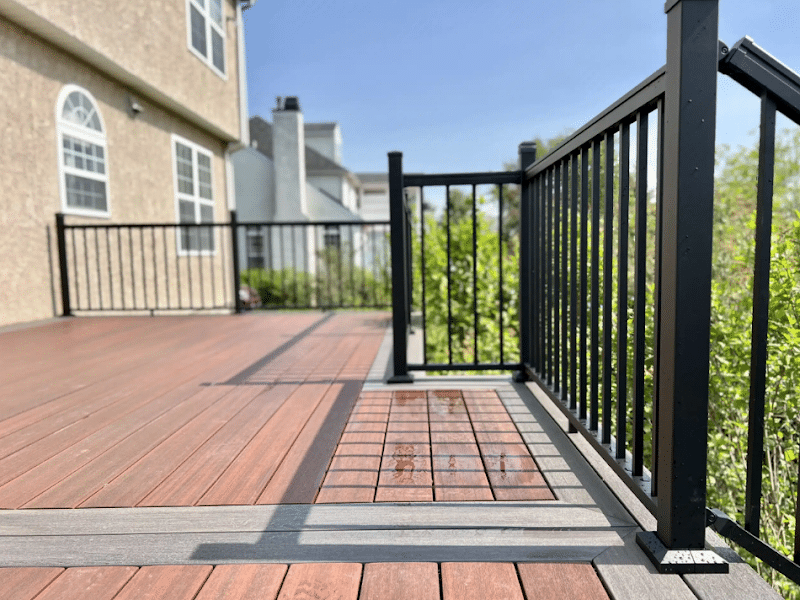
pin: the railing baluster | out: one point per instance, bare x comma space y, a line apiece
212, 253
594, 393
422, 268
760, 325
475, 274
622, 290
584, 276
657, 270
144, 269
121, 268
86, 269
449, 284
155, 268
573, 309
608, 286
500, 264
77, 294
189, 230
556, 289
565, 282
199, 230
640, 292
110, 271
97, 264
549, 292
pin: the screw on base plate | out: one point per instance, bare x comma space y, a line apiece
679, 561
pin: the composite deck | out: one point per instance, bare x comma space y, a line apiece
262, 456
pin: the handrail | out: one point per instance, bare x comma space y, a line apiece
643, 96
759, 71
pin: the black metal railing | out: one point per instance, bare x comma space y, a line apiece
778, 87
434, 236
144, 267
316, 264
162, 267
615, 281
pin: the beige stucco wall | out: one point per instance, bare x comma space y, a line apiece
148, 38
139, 159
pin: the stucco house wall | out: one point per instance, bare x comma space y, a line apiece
140, 164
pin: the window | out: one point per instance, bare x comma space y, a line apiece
207, 32
82, 156
194, 195
255, 249
332, 237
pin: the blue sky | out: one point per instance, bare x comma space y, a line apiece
456, 86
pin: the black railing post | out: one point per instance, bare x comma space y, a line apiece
527, 156
688, 201
400, 269
237, 301
63, 269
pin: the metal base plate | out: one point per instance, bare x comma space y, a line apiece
400, 379
679, 561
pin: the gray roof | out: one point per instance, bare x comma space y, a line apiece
321, 127
373, 177
261, 133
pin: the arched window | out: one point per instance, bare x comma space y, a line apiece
82, 155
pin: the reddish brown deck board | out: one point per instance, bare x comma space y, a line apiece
166, 583
406, 470
71, 490
400, 581
458, 470
23, 583
179, 382
137, 481
243, 582
512, 472
479, 581
555, 581
95, 583
248, 475
438, 446
187, 484
322, 580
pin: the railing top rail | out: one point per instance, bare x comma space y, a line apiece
759, 71
142, 225
642, 96
311, 223
217, 224
420, 179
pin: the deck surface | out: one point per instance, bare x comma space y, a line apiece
261, 456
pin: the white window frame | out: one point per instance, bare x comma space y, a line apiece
211, 25
195, 198
84, 134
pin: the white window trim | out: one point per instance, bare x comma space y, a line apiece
101, 139
208, 60
195, 198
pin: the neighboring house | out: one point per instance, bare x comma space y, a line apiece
292, 172
122, 112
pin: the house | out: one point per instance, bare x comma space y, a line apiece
121, 112
292, 173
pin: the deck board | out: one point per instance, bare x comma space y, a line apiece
24, 583
322, 580
556, 581
478, 581
400, 581
166, 582
244, 582
97, 583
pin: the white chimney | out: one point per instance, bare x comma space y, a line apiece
289, 156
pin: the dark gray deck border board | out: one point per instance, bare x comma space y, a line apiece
402, 545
